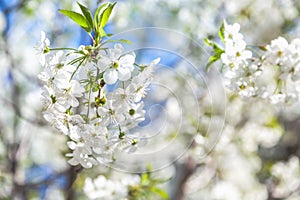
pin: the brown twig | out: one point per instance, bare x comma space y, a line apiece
183, 172
72, 175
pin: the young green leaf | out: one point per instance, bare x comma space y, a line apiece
211, 60
160, 192
76, 17
221, 31
217, 52
124, 41
87, 14
120, 40
214, 58
211, 43
208, 42
102, 32
98, 13
105, 15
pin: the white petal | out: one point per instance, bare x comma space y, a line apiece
247, 54
82, 74
116, 52
110, 76
72, 101
124, 73
155, 61
43, 35
236, 27
102, 111
104, 62
98, 150
127, 60
42, 59
86, 164
72, 145
119, 47
62, 80
44, 39
76, 89
69, 68
105, 121
73, 161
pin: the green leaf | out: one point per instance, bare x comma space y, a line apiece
145, 179
221, 31
102, 32
211, 60
124, 41
214, 58
160, 192
211, 43
208, 42
105, 15
87, 14
101, 17
76, 17
218, 51
98, 13
120, 40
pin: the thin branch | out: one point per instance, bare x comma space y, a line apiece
72, 176
183, 172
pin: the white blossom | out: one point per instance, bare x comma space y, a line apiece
288, 178
249, 75
103, 188
81, 155
116, 66
42, 47
77, 104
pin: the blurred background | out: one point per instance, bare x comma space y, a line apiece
226, 148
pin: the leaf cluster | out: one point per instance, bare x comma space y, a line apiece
92, 24
217, 49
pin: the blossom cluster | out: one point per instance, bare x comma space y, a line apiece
270, 72
286, 175
77, 101
238, 70
103, 188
